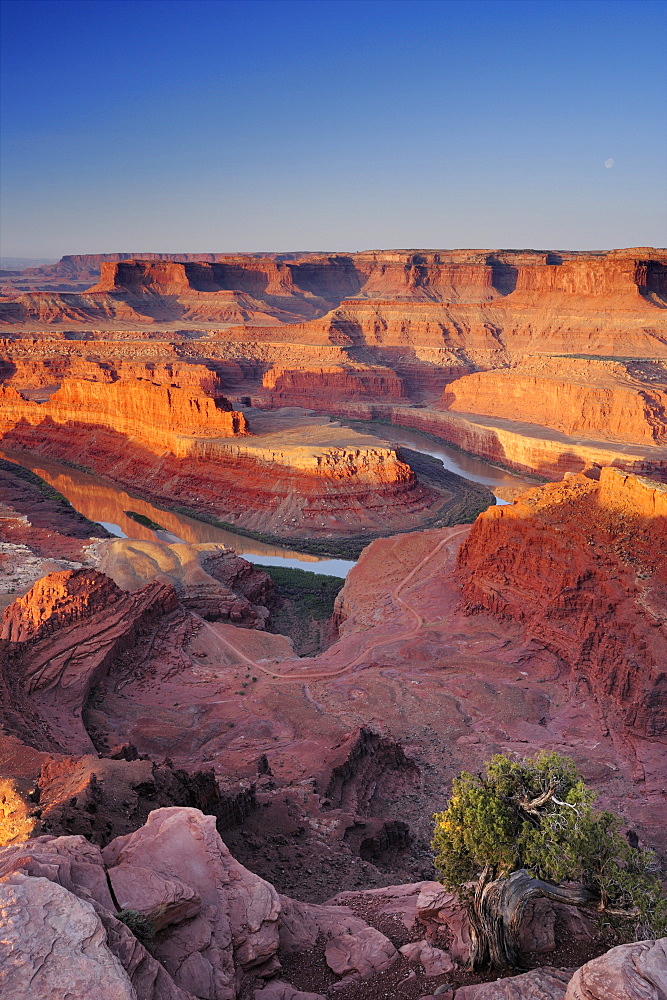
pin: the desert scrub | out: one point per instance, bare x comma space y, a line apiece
142, 927
528, 828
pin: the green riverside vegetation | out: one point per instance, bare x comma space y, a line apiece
142, 519
313, 593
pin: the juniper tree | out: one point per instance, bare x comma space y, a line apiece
527, 828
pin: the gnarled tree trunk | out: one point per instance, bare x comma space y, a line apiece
497, 910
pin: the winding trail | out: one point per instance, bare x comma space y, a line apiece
368, 650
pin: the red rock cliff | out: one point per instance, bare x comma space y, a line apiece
58, 600
158, 415
596, 399
581, 564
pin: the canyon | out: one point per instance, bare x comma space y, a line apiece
167, 752
541, 361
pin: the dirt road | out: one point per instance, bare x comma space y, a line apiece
368, 650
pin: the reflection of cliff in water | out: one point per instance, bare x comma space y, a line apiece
105, 503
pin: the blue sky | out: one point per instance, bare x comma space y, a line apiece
218, 126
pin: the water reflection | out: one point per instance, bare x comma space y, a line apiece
105, 503
101, 501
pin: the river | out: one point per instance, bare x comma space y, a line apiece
467, 466
103, 502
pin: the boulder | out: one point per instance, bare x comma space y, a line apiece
435, 961
362, 955
77, 866
283, 991
538, 984
441, 911
71, 862
236, 928
538, 927
301, 924
629, 972
162, 901
54, 946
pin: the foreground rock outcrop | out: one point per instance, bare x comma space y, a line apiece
208, 924
630, 970
54, 944
166, 913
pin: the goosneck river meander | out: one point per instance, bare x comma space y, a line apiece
102, 501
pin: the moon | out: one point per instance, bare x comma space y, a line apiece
609, 163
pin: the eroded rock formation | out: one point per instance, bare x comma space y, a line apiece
138, 689
411, 672
154, 414
167, 913
580, 564
294, 477
375, 335
585, 398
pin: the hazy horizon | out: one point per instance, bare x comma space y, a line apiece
160, 126
25, 262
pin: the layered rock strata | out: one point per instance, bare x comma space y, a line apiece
512, 444
297, 477
161, 416
585, 398
580, 565
476, 306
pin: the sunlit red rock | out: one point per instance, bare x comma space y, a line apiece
593, 399
580, 565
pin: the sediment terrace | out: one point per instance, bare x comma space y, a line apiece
294, 477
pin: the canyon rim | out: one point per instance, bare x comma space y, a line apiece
333, 500
477, 442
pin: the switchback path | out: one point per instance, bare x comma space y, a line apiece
368, 650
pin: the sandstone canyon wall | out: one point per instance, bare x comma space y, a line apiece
116, 702
585, 398
136, 675
453, 300
296, 478
573, 343
580, 564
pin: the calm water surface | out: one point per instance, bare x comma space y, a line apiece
105, 503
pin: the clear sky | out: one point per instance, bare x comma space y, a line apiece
207, 125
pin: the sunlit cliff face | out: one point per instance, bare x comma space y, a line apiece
580, 564
156, 415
